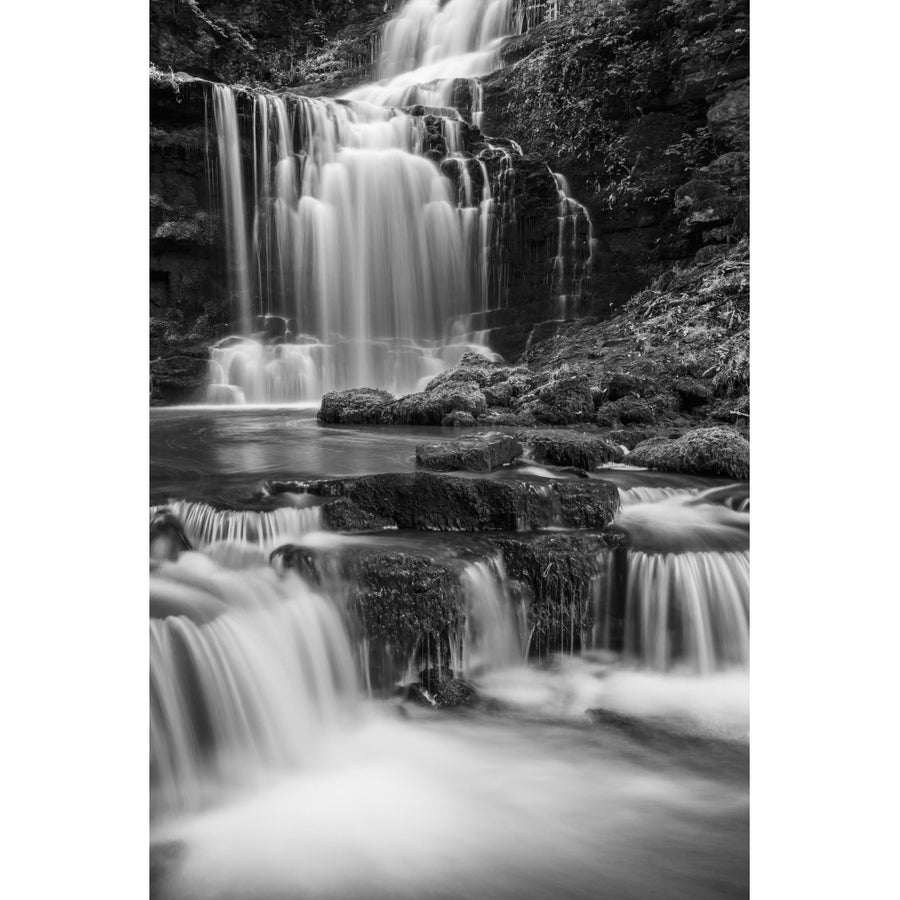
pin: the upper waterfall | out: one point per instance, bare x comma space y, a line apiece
361, 232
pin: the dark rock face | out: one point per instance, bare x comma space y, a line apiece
445, 688
564, 400
703, 451
429, 407
645, 98
558, 573
571, 448
477, 453
178, 379
359, 406
425, 501
402, 596
344, 515
167, 538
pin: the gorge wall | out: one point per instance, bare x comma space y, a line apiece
643, 106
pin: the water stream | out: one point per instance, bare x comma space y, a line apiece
362, 232
607, 752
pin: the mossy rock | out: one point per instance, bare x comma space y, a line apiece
703, 451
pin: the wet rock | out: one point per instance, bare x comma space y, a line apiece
564, 400
558, 574
571, 448
629, 437
703, 451
430, 406
627, 410
167, 538
729, 119
358, 406
478, 453
472, 368
445, 688
179, 379
458, 420
345, 515
692, 392
494, 416
402, 597
624, 384
427, 501
507, 392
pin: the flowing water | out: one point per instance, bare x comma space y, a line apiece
282, 766
607, 755
361, 233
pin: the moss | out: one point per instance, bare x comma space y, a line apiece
703, 451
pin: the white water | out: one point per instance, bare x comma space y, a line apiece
205, 525
245, 692
493, 633
353, 258
688, 610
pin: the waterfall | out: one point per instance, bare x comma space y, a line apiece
492, 639
250, 690
205, 525
360, 236
688, 610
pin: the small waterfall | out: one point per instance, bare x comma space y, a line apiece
251, 690
492, 639
358, 233
573, 219
688, 610
205, 525
642, 494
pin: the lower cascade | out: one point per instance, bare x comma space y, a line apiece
246, 691
688, 610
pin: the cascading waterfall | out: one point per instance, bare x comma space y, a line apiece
205, 525
688, 610
492, 639
359, 237
573, 216
248, 690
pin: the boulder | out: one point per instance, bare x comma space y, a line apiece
458, 420
167, 538
477, 453
358, 406
427, 501
344, 515
571, 448
692, 392
564, 400
429, 407
446, 688
703, 451
178, 379
472, 368
403, 596
558, 573
627, 410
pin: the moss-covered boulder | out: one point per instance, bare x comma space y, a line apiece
428, 501
476, 453
558, 447
429, 407
358, 406
703, 451
344, 515
402, 597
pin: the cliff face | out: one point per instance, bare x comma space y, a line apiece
644, 106
267, 42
